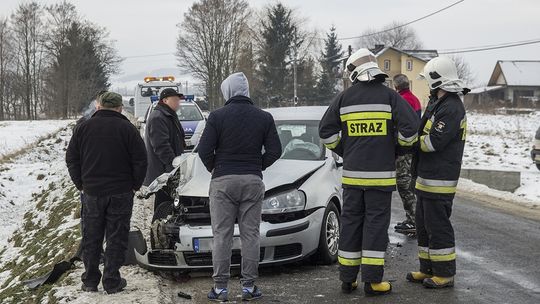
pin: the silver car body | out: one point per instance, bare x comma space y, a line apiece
282, 241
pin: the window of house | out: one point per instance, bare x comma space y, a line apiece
409, 65
387, 65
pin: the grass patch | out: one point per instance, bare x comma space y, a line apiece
42, 245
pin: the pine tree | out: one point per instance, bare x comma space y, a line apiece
326, 86
278, 34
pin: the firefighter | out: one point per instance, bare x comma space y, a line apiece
438, 163
361, 125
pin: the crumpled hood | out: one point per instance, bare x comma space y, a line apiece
282, 172
235, 85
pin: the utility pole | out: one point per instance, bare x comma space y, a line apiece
295, 82
187, 88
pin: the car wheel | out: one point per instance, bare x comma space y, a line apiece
329, 238
538, 166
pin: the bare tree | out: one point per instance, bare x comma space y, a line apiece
6, 56
463, 69
209, 41
27, 30
396, 35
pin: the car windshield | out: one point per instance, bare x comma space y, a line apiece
300, 140
147, 91
188, 112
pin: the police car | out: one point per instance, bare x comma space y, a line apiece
300, 212
190, 115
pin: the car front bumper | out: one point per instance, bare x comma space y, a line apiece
280, 243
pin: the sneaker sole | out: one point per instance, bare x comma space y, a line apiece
252, 299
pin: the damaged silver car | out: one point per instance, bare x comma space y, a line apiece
300, 212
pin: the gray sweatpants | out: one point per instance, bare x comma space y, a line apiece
236, 197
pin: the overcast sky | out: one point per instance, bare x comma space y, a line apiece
149, 27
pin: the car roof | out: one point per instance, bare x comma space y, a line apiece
298, 113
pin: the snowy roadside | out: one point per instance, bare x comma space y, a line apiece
16, 135
39, 226
503, 142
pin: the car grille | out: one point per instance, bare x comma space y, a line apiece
287, 251
162, 258
205, 258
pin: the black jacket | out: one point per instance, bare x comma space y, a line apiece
234, 137
165, 140
106, 155
442, 141
363, 125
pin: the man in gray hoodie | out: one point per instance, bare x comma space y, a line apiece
230, 148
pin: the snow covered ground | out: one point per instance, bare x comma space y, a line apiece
15, 135
35, 183
27, 174
503, 142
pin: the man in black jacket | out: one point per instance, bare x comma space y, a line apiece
164, 137
106, 159
231, 148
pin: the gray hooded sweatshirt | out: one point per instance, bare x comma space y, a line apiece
235, 85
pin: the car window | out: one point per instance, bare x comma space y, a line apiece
147, 91
300, 140
189, 113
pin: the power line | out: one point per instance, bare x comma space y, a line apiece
404, 24
490, 47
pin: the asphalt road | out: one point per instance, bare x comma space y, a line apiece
498, 262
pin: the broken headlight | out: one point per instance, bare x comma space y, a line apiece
285, 202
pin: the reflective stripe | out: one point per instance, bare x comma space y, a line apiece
442, 258
429, 124
436, 182
463, 125
366, 115
369, 174
373, 254
350, 254
425, 144
332, 142
366, 108
423, 253
382, 182
373, 261
442, 251
330, 139
349, 262
407, 141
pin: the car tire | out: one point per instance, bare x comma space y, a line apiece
329, 238
538, 166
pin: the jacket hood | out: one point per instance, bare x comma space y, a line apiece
235, 85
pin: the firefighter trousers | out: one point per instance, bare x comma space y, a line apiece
436, 242
364, 234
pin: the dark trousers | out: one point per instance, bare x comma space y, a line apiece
364, 234
109, 217
436, 242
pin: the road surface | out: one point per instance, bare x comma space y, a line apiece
498, 262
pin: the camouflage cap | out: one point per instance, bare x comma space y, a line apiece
111, 99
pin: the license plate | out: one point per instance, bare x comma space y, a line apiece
207, 244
